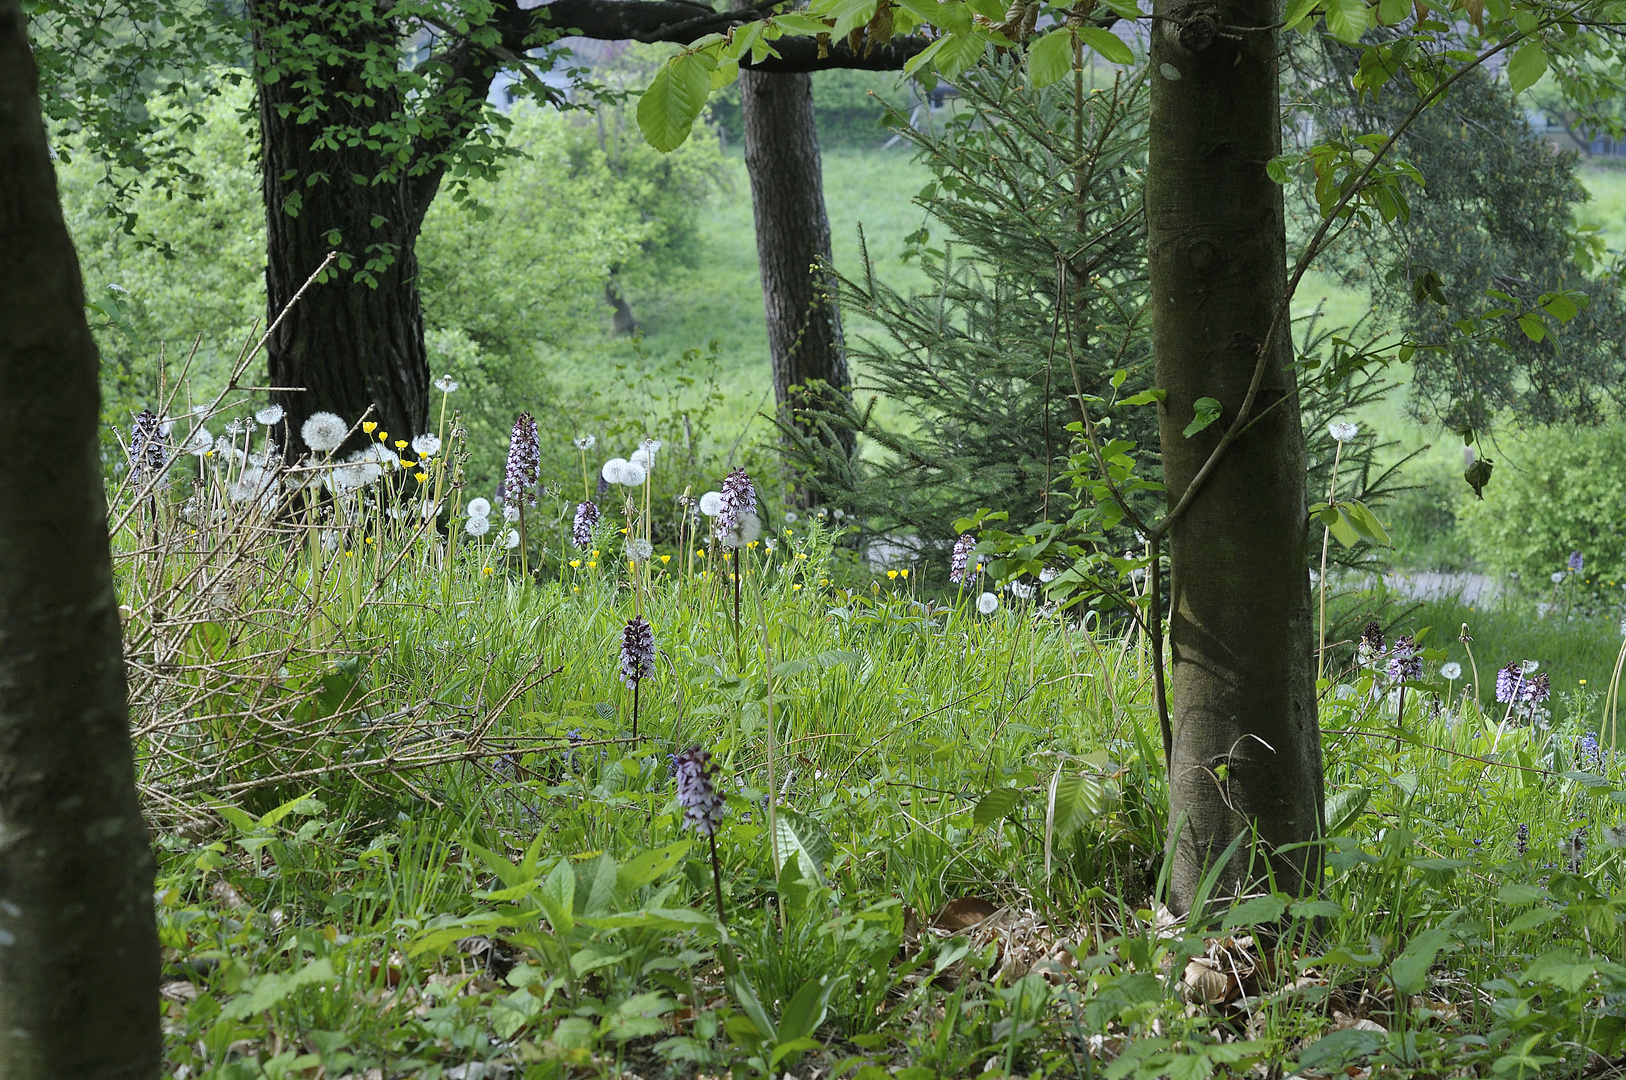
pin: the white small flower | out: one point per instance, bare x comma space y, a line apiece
323, 432
426, 445
510, 539
446, 384
987, 603
614, 470
477, 525
639, 549
510, 513
1343, 430
271, 414
1451, 671
634, 474
585, 442
479, 508
790, 517
712, 501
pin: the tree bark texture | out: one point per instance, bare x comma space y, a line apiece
79, 959
350, 343
805, 343
1246, 748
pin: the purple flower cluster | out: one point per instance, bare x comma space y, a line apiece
961, 559
1589, 755
1513, 688
739, 499
1370, 647
148, 450
637, 651
524, 462
1521, 839
1576, 562
581, 534
696, 792
1405, 661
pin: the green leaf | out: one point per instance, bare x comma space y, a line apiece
959, 53
995, 805
1410, 969
1145, 397
1050, 58
795, 1046
1532, 326
1110, 46
305, 804
558, 897
1339, 1049
1532, 919
849, 15
1366, 523
799, 836
1348, 19
751, 1006
807, 1009
646, 866
1391, 12
1207, 411
1520, 893
1260, 909
673, 100
669, 919
1560, 968
270, 990
1343, 807
1526, 68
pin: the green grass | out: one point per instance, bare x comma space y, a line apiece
403, 826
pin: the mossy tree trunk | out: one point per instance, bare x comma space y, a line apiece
78, 942
1246, 748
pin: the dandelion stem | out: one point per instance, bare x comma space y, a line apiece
1326, 536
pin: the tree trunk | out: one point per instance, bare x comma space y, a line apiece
793, 244
78, 941
356, 340
1246, 745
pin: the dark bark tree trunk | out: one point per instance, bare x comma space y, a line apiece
793, 244
357, 339
78, 941
1246, 745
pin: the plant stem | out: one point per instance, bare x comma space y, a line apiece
717, 879
1326, 535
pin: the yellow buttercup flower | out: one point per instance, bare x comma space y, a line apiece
595, 553
699, 554
574, 563
421, 477
666, 558
488, 569
891, 573
400, 444
592, 563
369, 426
383, 436
796, 587
904, 571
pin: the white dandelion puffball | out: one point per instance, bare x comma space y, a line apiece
426, 445
200, 442
1558, 577
585, 443
256, 486
745, 532
1021, 591
711, 502
510, 513
1451, 671
643, 459
790, 517
479, 508
650, 446
323, 432
1529, 666
987, 603
271, 414
614, 470
1343, 430
1048, 573
639, 549
510, 539
446, 384
634, 474
383, 455
477, 525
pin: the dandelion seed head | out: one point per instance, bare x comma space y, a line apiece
271, 414
1343, 430
639, 549
323, 432
1451, 671
426, 445
585, 442
614, 470
634, 474
987, 603
711, 503
479, 507
510, 539
446, 384
477, 525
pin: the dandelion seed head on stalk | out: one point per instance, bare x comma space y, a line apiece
510, 539
1451, 671
711, 504
510, 512
697, 791
255, 486
446, 384
271, 414
200, 442
960, 560
633, 474
1343, 430
639, 550
650, 447
584, 442
477, 526
614, 470
739, 498
1529, 666
643, 459
1022, 591
987, 603
479, 507
426, 445
524, 461
581, 532
148, 450
746, 531
323, 432
1557, 577
637, 651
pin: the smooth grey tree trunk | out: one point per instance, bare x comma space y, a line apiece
805, 343
1246, 745
78, 942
